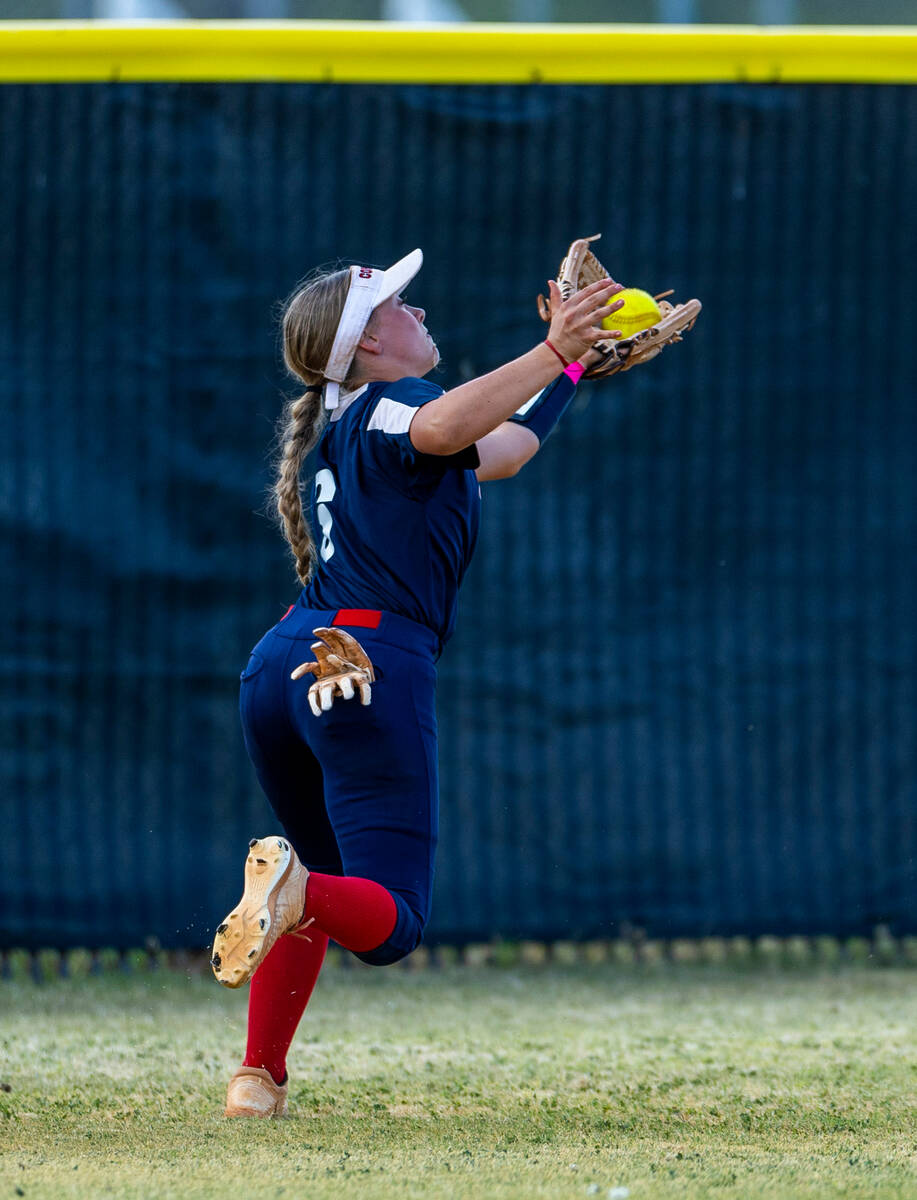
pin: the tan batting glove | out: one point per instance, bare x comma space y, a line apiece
342, 667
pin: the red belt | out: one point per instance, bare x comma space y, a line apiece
364, 618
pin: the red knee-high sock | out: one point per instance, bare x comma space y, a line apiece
280, 990
358, 913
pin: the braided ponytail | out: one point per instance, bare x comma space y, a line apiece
309, 322
302, 428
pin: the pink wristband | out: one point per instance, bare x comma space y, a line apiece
574, 371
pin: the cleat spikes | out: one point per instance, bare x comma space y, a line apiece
271, 906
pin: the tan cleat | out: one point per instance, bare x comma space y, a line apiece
271, 905
253, 1093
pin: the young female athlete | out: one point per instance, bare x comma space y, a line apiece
396, 499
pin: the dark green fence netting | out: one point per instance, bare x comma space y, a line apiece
682, 692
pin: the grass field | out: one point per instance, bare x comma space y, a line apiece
528, 1082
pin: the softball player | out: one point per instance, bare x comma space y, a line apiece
396, 501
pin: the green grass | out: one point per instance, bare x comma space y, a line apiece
525, 1082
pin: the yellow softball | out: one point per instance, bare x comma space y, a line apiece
640, 311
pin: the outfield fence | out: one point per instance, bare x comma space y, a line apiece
822, 954
681, 696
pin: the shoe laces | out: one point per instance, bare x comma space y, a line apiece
298, 932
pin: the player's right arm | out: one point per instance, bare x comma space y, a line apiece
462, 416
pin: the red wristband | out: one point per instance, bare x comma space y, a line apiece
557, 352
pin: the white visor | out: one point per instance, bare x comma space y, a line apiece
369, 287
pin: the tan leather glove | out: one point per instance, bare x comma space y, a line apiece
579, 268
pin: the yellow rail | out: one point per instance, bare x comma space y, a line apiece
362, 52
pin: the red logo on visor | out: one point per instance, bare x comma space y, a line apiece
366, 272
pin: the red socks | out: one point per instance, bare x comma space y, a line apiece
358, 914
280, 990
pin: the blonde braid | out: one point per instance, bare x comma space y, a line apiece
309, 322
303, 425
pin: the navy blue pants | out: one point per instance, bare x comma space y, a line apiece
356, 789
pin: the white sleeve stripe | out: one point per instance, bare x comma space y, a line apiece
391, 417
520, 412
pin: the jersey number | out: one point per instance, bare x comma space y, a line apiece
325, 489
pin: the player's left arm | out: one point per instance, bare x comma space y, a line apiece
505, 451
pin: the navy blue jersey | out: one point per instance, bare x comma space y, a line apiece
396, 528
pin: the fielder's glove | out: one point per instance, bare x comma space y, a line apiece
341, 667
578, 270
